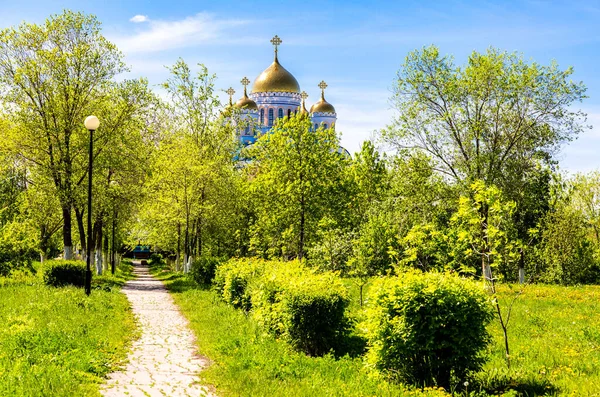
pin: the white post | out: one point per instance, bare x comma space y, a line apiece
99, 266
521, 275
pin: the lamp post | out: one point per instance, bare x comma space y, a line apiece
91, 123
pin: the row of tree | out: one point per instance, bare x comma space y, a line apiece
469, 181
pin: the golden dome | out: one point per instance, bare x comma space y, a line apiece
322, 106
276, 78
245, 102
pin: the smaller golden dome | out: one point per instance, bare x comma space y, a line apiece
246, 103
322, 106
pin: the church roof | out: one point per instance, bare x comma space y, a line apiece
276, 78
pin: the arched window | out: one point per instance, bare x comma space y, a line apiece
325, 125
270, 117
289, 113
247, 130
262, 116
316, 126
280, 113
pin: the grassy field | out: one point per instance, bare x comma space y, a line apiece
246, 362
58, 341
554, 338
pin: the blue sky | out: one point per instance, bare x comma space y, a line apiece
355, 46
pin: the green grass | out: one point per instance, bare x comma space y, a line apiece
554, 338
247, 362
58, 341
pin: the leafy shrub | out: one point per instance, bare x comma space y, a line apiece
61, 273
203, 270
232, 279
306, 309
157, 260
427, 328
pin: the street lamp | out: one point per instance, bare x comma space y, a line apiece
91, 123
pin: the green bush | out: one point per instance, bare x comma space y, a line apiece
306, 309
157, 260
61, 273
233, 277
428, 329
203, 270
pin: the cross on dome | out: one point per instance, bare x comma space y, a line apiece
304, 95
245, 83
322, 86
276, 41
230, 92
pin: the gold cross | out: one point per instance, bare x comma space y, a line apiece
276, 41
304, 95
245, 82
230, 92
322, 86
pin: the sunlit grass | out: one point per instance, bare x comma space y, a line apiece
554, 338
58, 341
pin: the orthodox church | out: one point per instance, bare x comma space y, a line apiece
276, 94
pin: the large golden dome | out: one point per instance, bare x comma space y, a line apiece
276, 78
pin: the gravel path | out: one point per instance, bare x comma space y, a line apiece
163, 362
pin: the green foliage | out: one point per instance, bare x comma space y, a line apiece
333, 247
427, 329
232, 280
567, 251
247, 361
62, 273
296, 179
58, 342
156, 260
307, 310
289, 300
203, 270
485, 120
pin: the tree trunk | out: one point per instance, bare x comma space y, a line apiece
302, 222
81, 228
67, 237
178, 258
522, 268
98, 246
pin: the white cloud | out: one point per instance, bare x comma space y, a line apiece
160, 35
139, 18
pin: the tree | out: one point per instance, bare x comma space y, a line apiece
297, 179
54, 75
488, 120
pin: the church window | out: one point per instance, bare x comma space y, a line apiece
280, 113
270, 117
262, 116
247, 130
325, 125
316, 126
289, 113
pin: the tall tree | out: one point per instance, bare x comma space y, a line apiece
485, 121
54, 75
297, 178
